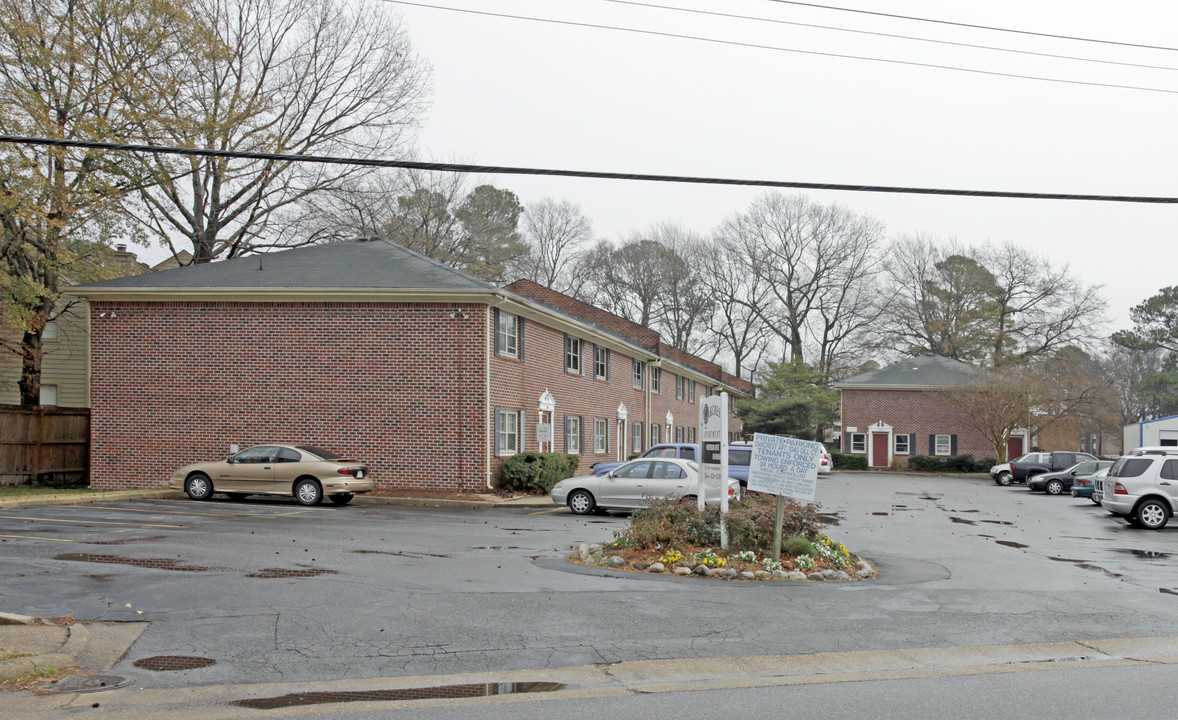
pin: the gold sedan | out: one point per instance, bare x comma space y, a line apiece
304, 472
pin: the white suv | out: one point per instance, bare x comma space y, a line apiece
1142, 487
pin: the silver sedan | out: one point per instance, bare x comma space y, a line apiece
628, 486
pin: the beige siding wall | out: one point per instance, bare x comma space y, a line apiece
66, 363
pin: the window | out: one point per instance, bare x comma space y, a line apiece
679, 433
687, 453
690, 391
691, 434
506, 432
1130, 467
49, 332
48, 395
637, 374
656, 380
572, 434
635, 437
667, 452
507, 334
572, 354
668, 471
678, 387
288, 455
858, 442
255, 455
1169, 470
902, 447
943, 445
601, 362
740, 457
635, 471
656, 433
600, 435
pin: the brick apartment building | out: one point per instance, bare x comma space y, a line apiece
902, 410
428, 374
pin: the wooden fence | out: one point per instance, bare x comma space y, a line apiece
44, 445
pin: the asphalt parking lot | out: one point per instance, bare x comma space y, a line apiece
268, 590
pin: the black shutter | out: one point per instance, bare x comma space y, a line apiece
592, 358
932, 444
566, 433
495, 330
912, 444
519, 324
846, 442
606, 358
564, 353
581, 422
496, 425
952, 444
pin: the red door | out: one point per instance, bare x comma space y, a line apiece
1014, 447
879, 450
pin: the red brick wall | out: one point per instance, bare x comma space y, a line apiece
919, 412
401, 386
518, 385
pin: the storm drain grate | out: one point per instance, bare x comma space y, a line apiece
474, 690
87, 683
169, 663
290, 573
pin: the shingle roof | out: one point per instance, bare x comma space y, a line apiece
931, 371
357, 263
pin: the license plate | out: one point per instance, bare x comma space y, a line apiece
359, 474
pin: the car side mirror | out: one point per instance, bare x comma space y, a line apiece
230, 459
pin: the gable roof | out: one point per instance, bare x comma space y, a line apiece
358, 263
923, 371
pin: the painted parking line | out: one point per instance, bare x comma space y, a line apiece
33, 537
189, 512
87, 522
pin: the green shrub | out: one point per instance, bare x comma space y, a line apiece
534, 472
797, 546
949, 464
669, 523
846, 461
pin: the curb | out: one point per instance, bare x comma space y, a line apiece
16, 667
14, 619
538, 501
100, 496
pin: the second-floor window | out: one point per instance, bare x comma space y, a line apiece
507, 335
601, 362
572, 354
691, 391
656, 380
678, 387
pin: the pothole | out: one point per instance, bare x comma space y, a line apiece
153, 563
474, 690
170, 663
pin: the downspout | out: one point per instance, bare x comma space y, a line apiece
489, 427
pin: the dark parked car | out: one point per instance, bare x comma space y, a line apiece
1021, 470
1001, 473
1058, 483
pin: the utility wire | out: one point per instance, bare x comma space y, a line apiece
782, 49
506, 170
969, 25
891, 35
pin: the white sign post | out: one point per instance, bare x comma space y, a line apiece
713, 456
785, 467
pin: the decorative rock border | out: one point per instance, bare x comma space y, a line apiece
594, 554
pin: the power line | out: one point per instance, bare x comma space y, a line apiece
775, 48
836, 28
969, 25
507, 170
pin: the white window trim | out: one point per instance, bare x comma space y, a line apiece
576, 436
604, 374
862, 450
502, 434
907, 449
637, 374
690, 391
49, 396
511, 335
572, 358
656, 380
948, 445
600, 436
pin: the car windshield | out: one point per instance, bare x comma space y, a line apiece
320, 453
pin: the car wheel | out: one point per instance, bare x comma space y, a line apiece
342, 498
581, 502
199, 487
1003, 479
1054, 487
1094, 501
237, 496
308, 492
1151, 515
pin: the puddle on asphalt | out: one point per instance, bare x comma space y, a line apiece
1011, 543
171, 663
124, 541
905, 508
1059, 559
153, 563
830, 519
880, 513
1144, 554
1168, 591
1097, 568
474, 690
398, 552
998, 522
963, 521
303, 572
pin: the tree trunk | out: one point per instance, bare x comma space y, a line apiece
30, 370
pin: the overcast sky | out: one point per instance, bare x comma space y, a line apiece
528, 93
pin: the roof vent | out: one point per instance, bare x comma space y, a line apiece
369, 238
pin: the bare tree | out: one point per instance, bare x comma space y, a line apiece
796, 248
998, 403
738, 330
557, 233
685, 305
306, 76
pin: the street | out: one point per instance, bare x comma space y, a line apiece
272, 592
